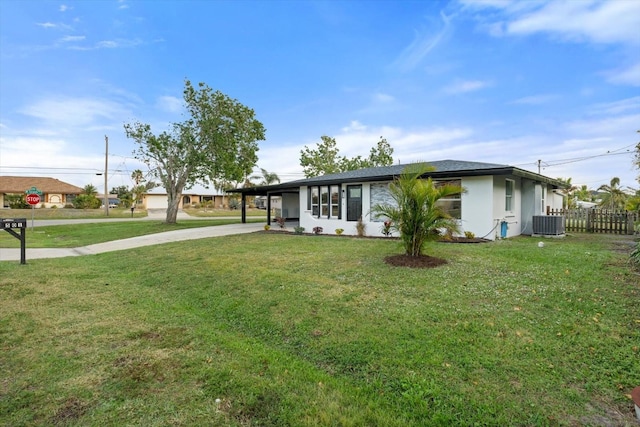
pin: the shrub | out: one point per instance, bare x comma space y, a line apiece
298, 230
339, 231
234, 204
86, 201
281, 221
267, 227
54, 207
361, 228
17, 201
469, 235
317, 230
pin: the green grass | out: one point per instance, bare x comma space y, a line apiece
75, 235
319, 331
47, 213
202, 213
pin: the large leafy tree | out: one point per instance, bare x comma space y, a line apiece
612, 196
325, 158
216, 144
416, 214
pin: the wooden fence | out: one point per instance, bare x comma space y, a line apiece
598, 220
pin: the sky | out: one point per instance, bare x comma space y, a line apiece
553, 85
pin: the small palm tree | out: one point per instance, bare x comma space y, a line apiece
613, 197
267, 177
416, 214
569, 199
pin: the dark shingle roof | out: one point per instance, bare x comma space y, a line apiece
443, 169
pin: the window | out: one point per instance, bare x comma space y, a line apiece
453, 203
314, 200
508, 195
324, 201
335, 201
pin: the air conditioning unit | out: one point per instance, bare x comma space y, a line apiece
546, 225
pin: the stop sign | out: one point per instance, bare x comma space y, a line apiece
33, 199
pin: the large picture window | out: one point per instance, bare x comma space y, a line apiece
324, 201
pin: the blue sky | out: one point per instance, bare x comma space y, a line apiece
498, 81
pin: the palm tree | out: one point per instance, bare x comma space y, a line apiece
89, 190
137, 176
613, 197
416, 214
268, 178
583, 193
569, 199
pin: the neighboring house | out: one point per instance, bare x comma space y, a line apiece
494, 194
55, 192
157, 199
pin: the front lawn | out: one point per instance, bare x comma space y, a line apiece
75, 235
269, 329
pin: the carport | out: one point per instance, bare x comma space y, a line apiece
288, 191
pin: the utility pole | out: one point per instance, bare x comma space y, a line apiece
106, 165
539, 162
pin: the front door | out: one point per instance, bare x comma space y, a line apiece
354, 202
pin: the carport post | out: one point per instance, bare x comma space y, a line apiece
244, 208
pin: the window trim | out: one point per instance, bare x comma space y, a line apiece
318, 190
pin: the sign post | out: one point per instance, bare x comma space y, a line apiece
9, 224
33, 198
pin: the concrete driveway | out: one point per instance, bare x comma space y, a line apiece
133, 242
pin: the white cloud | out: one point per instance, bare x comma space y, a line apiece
46, 24
464, 86
617, 107
423, 43
109, 44
170, 104
628, 76
74, 112
578, 20
535, 99
599, 22
63, 8
67, 39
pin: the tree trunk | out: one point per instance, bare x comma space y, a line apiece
173, 200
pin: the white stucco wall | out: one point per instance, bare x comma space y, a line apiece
500, 214
477, 209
